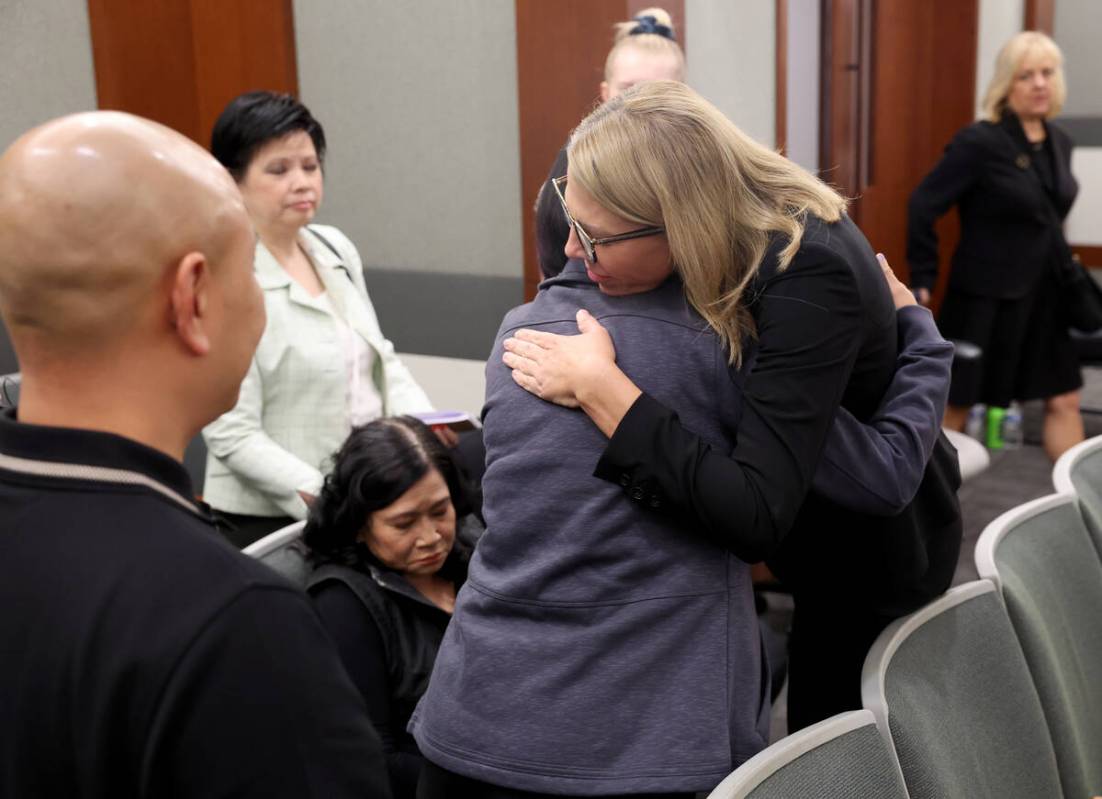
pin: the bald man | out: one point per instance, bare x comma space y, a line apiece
141, 655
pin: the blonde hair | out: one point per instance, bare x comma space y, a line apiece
1009, 61
651, 43
660, 154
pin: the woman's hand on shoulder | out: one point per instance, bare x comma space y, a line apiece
560, 368
901, 295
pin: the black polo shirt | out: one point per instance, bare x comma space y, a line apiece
141, 655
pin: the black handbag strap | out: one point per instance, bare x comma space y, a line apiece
332, 249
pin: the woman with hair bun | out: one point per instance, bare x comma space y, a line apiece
643, 48
1010, 176
391, 533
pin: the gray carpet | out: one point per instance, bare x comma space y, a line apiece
1014, 476
1017, 476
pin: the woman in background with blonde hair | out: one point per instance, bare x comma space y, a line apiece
643, 48
1010, 177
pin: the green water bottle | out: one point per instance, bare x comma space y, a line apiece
995, 427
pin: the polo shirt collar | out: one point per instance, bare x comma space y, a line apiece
65, 452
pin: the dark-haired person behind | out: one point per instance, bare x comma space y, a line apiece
323, 365
391, 534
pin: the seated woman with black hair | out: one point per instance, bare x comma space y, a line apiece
391, 533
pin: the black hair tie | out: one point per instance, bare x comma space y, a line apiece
649, 24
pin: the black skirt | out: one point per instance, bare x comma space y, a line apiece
1027, 352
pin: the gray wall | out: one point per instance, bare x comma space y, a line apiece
999, 20
803, 78
1078, 31
45, 72
731, 51
419, 104
45, 63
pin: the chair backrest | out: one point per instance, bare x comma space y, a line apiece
9, 390
950, 689
844, 757
1079, 472
972, 454
282, 552
1041, 556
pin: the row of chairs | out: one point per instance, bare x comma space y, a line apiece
992, 690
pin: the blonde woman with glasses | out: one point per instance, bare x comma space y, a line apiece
769, 258
605, 643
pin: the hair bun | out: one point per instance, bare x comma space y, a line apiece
648, 23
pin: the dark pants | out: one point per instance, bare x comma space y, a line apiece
826, 653
439, 783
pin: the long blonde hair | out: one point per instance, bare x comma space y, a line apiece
1009, 61
654, 44
660, 154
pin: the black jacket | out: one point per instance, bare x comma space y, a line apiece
827, 337
388, 635
1007, 227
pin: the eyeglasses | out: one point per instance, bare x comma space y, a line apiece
588, 243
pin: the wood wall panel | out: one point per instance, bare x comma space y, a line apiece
179, 61
922, 58
561, 50
1040, 15
1089, 254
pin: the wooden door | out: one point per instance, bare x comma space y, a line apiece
561, 51
180, 61
898, 82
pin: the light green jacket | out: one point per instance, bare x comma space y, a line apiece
291, 415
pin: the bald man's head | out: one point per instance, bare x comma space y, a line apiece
95, 209
126, 278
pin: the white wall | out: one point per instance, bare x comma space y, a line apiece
731, 51
45, 63
419, 103
1084, 223
999, 20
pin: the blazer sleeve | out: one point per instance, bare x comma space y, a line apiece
403, 394
238, 440
877, 467
956, 172
809, 322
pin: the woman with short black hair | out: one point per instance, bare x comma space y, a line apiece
323, 365
391, 532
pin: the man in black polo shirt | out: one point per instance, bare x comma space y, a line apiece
140, 655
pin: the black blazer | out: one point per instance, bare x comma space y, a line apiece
1007, 228
826, 337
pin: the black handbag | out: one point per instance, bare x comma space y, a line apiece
1080, 295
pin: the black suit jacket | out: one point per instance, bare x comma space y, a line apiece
826, 337
1008, 230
